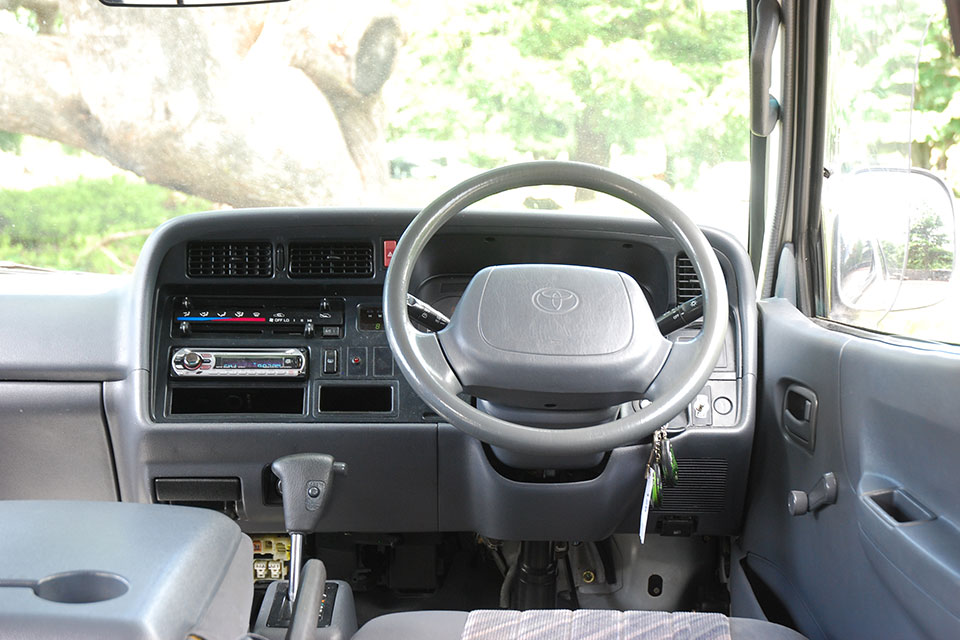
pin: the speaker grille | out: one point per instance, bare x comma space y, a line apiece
701, 487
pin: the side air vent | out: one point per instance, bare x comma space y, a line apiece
331, 260
701, 487
230, 259
688, 285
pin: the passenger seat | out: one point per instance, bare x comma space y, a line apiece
561, 624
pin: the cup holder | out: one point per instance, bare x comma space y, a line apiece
80, 587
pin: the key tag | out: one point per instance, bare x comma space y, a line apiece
650, 492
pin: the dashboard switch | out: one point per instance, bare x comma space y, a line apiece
382, 361
388, 248
331, 361
357, 361
331, 332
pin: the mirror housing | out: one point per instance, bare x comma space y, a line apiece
891, 240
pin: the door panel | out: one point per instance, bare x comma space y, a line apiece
888, 426
900, 413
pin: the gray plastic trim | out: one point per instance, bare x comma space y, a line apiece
64, 326
57, 426
342, 627
378, 456
849, 571
177, 584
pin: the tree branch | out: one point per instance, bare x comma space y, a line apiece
181, 117
38, 95
101, 244
351, 79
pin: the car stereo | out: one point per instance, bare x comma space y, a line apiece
239, 362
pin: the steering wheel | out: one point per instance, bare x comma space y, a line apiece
538, 337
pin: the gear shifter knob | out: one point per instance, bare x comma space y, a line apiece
305, 482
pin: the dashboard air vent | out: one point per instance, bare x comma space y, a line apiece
688, 285
229, 259
331, 260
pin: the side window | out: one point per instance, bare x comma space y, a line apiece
893, 166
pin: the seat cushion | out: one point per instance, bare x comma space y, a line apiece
560, 624
415, 625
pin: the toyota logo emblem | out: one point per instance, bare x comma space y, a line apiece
555, 300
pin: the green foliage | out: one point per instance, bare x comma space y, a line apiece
88, 225
546, 77
930, 247
886, 57
10, 142
937, 96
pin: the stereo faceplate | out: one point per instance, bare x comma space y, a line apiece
221, 363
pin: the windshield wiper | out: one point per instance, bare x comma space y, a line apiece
7, 266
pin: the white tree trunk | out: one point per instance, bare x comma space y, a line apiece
220, 103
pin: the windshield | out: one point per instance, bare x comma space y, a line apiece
113, 120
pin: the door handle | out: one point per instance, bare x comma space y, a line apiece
799, 416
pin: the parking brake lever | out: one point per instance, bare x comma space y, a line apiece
305, 483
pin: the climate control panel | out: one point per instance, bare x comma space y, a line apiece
317, 356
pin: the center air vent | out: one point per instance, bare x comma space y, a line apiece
688, 285
230, 259
331, 260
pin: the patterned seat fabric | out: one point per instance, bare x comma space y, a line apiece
594, 624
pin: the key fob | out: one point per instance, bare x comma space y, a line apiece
668, 463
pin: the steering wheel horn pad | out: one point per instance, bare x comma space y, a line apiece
430, 362
554, 336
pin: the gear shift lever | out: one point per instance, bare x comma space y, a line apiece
305, 482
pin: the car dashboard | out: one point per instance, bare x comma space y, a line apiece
244, 336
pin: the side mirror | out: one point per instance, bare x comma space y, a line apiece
893, 244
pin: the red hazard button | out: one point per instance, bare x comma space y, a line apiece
388, 248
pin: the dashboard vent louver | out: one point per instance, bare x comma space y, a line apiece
331, 260
229, 259
688, 285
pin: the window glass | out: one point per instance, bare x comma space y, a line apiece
893, 169
114, 120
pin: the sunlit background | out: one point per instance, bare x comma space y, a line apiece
357, 105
